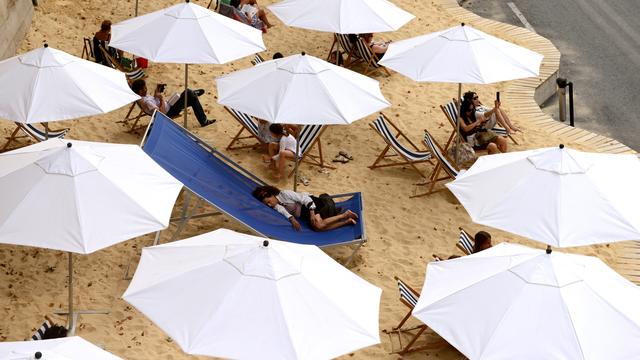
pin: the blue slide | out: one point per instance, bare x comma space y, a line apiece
227, 186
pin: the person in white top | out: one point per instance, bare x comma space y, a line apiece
282, 150
150, 103
319, 212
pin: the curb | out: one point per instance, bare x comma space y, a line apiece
525, 95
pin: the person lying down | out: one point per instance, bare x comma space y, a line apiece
320, 212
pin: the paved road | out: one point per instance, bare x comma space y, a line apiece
600, 45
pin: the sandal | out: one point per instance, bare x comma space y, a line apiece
345, 154
340, 159
304, 180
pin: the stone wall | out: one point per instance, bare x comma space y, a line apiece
15, 20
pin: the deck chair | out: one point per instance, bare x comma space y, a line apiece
444, 164
257, 59
369, 58
249, 125
341, 41
226, 186
132, 120
135, 74
409, 297
450, 110
308, 139
411, 156
33, 133
465, 242
215, 3
39, 333
87, 49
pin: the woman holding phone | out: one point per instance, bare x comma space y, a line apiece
499, 116
475, 131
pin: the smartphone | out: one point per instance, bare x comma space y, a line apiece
161, 87
498, 95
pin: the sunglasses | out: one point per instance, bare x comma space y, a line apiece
475, 98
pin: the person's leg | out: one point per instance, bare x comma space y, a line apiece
507, 122
176, 109
263, 16
272, 149
501, 142
333, 222
193, 102
282, 159
492, 149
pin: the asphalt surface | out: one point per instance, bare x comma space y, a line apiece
600, 45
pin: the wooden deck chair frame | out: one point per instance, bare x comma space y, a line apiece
398, 329
451, 109
444, 164
87, 49
461, 246
341, 41
134, 127
29, 133
239, 137
384, 155
370, 59
307, 155
133, 120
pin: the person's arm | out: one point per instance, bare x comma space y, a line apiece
281, 209
487, 114
469, 127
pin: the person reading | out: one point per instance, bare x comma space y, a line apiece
172, 107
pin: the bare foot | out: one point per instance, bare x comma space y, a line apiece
266, 158
350, 214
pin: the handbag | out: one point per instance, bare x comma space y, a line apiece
466, 155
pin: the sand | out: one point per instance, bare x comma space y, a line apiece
403, 233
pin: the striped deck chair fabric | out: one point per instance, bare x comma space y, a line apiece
451, 112
40, 332
368, 57
465, 242
353, 57
443, 161
32, 132
257, 59
248, 124
135, 74
443, 164
382, 125
308, 138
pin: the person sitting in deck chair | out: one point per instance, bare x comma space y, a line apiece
500, 116
101, 39
378, 47
473, 131
320, 212
150, 103
481, 241
284, 148
252, 12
